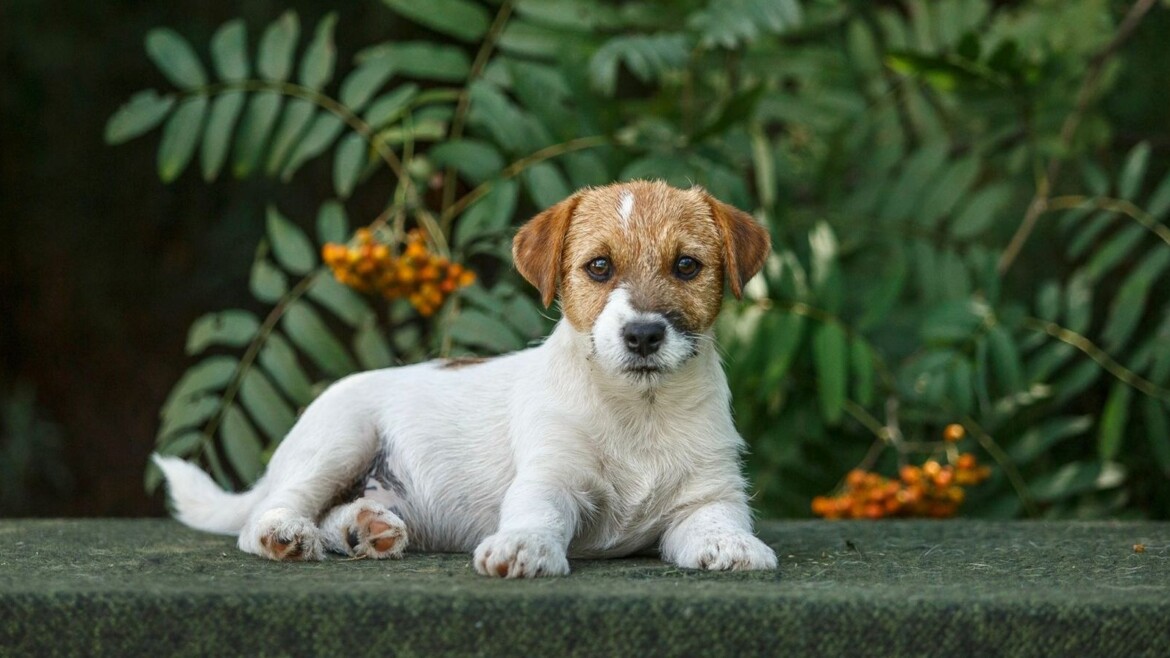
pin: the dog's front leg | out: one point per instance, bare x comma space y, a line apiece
716, 536
537, 521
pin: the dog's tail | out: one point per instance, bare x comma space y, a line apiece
199, 502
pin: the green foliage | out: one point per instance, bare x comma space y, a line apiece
901, 154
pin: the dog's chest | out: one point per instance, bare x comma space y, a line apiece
641, 475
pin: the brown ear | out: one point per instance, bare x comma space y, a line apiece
746, 244
538, 246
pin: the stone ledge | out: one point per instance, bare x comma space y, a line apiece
131, 587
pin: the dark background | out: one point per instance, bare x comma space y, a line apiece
102, 267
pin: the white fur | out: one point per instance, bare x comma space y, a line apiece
526, 459
610, 348
626, 209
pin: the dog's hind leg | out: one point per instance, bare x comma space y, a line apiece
329, 448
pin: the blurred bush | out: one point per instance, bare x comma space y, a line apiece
967, 200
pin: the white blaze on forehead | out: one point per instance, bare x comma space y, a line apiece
626, 208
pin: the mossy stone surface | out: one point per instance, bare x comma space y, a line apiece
133, 587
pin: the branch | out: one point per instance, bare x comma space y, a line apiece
1085, 96
1090, 349
460, 118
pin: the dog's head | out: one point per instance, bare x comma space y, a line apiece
641, 268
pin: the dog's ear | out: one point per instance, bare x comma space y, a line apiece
538, 247
746, 244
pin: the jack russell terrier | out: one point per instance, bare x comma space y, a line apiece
612, 437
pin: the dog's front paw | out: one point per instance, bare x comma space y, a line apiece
521, 555
721, 552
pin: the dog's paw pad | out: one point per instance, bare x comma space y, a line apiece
377, 534
521, 555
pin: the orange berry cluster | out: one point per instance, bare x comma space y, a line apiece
931, 490
424, 278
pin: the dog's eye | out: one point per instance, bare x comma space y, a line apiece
686, 268
599, 269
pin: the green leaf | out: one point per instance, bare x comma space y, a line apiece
830, 355
210, 374
861, 357
917, 175
529, 40
422, 59
318, 60
943, 195
1005, 359
1129, 304
360, 86
525, 316
495, 113
1129, 182
1114, 252
391, 106
1157, 431
1078, 303
233, 328
784, 337
267, 282
981, 210
961, 387
280, 361
143, 111
186, 413
1040, 438
266, 406
297, 116
332, 224
1087, 232
340, 299
348, 164
218, 133
371, 348
290, 246
184, 444
546, 186
953, 321
1113, 421
1159, 201
175, 58
489, 216
319, 136
475, 328
229, 51
476, 160
241, 445
275, 56
306, 329
179, 138
645, 55
1075, 478
462, 19
729, 23
254, 131
888, 287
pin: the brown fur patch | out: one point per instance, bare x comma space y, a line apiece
457, 362
538, 245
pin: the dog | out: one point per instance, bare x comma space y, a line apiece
612, 437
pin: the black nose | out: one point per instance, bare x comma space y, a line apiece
644, 338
